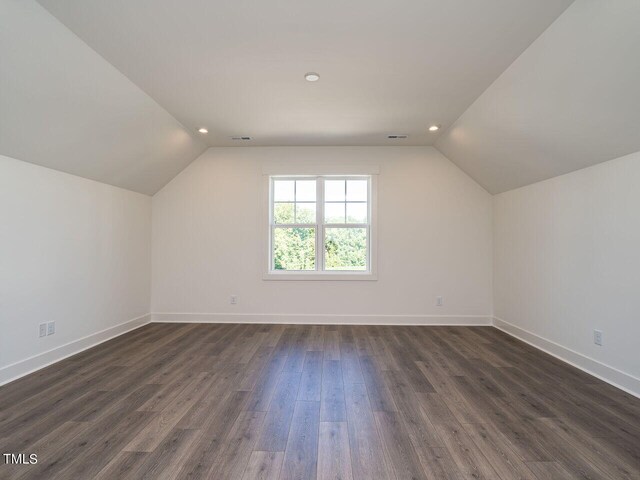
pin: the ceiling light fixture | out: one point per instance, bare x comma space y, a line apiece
203, 130
312, 77
434, 128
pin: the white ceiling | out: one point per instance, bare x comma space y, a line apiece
237, 66
64, 107
123, 108
571, 100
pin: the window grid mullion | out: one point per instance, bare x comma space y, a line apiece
345, 200
346, 225
320, 224
294, 225
295, 202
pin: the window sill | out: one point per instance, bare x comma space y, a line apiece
317, 276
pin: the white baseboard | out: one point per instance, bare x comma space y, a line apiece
29, 365
322, 319
615, 377
611, 375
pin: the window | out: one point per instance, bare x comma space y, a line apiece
320, 227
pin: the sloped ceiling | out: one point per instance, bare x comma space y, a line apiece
121, 102
64, 107
237, 67
571, 100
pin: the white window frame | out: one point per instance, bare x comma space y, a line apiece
319, 273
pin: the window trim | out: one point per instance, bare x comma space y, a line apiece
319, 274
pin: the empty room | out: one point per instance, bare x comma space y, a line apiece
293, 239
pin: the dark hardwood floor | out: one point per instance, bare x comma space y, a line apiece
233, 401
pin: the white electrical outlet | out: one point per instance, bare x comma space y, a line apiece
438, 301
233, 300
51, 328
597, 337
43, 330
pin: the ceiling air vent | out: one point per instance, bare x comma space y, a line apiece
397, 136
240, 138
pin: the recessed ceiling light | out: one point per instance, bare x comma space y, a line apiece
312, 77
434, 128
203, 130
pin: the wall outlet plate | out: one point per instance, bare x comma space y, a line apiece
51, 328
42, 330
233, 300
597, 337
438, 301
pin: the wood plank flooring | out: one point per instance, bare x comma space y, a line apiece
233, 401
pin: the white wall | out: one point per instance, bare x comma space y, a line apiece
434, 239
567, 261
565, 255
73, 251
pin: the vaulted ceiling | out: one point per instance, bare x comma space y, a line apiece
64, 107
115, 91
571, 100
